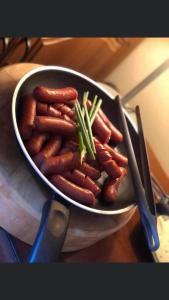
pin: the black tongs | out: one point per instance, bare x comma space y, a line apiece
144, 195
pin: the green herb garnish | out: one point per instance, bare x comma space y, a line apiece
85, 120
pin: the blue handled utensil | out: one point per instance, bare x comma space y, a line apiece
144, 195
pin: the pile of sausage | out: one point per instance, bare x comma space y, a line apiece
48, 127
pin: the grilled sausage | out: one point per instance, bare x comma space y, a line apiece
93, 163
99, 128
102, 153
111, 186
83, 181
109, 190
89, 171
56, 125
61, 163
58, 105
64, 109
116, 135
105, 159
27, 116
72, 145
71, 103
36, 142
69, 145
118, 157
53, 112
41, 109
121, 160
73, 191
55, 95
111, 168
68, 119
64, 150
51, 148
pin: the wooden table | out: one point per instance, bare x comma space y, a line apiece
126, 245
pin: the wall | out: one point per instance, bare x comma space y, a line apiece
154, 99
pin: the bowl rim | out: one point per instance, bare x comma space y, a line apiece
24, 150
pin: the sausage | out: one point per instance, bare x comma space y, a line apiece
72, 145
71, 103
53, 112
94, 163
69, 145
105, 159
64, 150
58, 105
55, 95
51, 148
68, 119
89, 171
99, 128
36, 142
41, 109
82, 180
111, 186
116, 135
111, 168
27, 116
67, 113
109, 190
73, 191
60, 163
64, 109
56, 125
102, 153
121, 160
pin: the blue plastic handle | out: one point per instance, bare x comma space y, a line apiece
150, 227
51, 233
